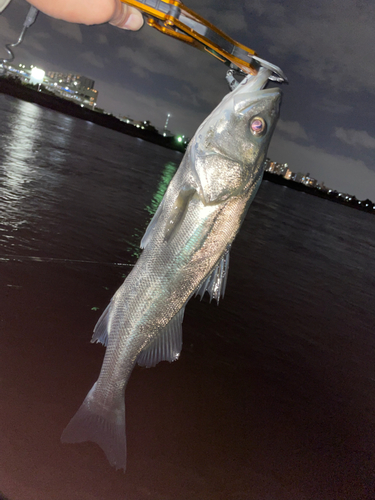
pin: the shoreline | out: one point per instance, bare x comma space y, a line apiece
332, 196
61, 105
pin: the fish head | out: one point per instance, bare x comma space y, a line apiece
231, 145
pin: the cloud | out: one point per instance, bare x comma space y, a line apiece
337, 108
185, 94
293, 129
330, 42
161, 55
92, 59
345, 174
7, 35
67, 29
33, 41
102, 39
357, 138
40, 35
35, 44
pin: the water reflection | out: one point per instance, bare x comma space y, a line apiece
19, 152
166, 177
31, 142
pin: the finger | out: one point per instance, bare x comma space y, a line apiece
127, 17
83, 11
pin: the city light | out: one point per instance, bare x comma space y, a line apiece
37, 75
314, 187
79, 89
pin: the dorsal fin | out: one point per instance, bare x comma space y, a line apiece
167, 346
216, 282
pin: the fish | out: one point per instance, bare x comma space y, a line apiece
185, 251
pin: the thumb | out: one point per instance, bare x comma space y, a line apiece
126, 17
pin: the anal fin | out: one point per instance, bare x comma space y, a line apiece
168, 344
216, 282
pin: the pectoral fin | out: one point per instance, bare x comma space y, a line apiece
216, 282
167, 346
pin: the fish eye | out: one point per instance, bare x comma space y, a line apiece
258, 126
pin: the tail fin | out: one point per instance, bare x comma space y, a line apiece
104, 426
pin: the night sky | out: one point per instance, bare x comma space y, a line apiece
325, 47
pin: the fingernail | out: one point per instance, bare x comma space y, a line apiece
133, 22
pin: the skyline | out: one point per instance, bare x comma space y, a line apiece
327, 121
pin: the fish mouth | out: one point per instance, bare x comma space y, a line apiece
244, 101
256, 84
271, 92
252, 89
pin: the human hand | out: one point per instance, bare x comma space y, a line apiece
92, 12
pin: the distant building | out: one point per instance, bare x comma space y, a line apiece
266, 164
309, 181
138, 124
21, 71
276, 168
86, 97
288, 174
70, 79
126, 119
76, 88
298, 177
282, 168
270, 166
